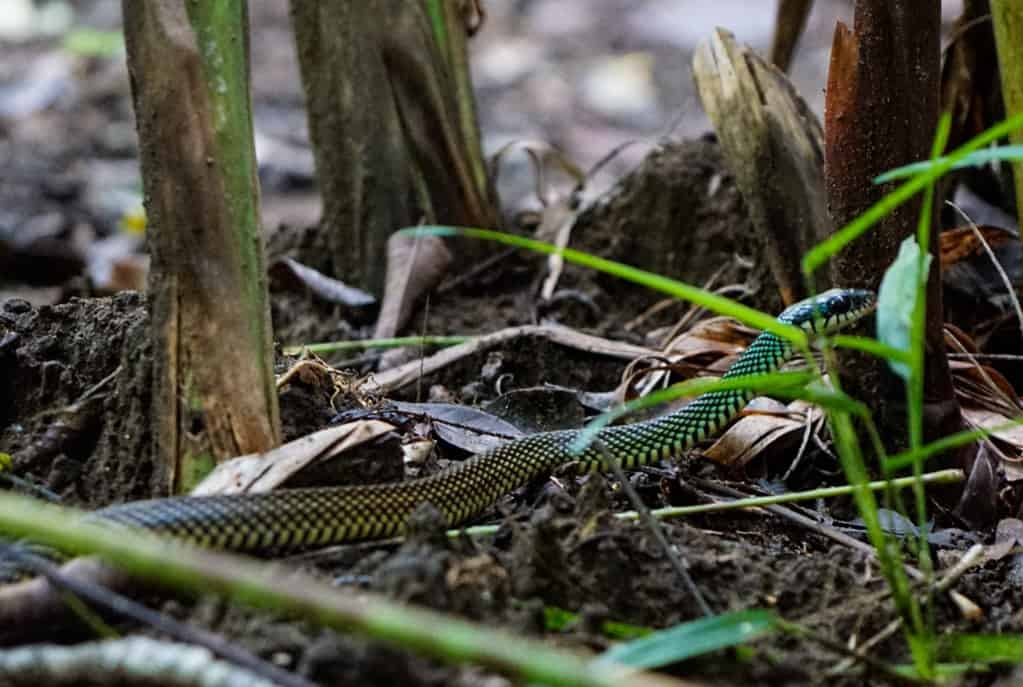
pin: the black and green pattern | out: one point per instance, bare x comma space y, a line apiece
307, 517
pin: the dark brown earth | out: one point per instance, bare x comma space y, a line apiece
557, 545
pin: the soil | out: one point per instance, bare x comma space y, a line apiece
74, 417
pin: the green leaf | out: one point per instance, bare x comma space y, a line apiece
982, 648
558, 619
978, 158
690, 639
896, 301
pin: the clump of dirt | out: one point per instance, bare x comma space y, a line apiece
679, 214
75, 381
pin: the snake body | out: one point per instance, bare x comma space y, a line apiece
300, 518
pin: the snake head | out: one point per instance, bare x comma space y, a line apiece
831, 310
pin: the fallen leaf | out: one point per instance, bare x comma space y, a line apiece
261, 472
464, 427
762, 436
291, 274
415, 265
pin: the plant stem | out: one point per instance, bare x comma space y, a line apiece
395, 342
940, 477
253, 583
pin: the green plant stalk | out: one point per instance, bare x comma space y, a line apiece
940, 477
851, 458
253, 583
823, 251
450, 35
224, 48
394, 342
915, 400
853, 464
221, 36
1007, 18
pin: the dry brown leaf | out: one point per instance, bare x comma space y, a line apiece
415, 264
958, 340
962, 243
1008, 536
978, 503
1008, 442
709, 346
761, 435
260, 472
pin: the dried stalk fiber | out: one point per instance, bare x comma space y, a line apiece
772, 145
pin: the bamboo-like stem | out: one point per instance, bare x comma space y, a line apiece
253, 583
1007, 17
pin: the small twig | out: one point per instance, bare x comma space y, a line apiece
743, 501
986, 356
680, 567
814, 526
807, 431
364, 344
37, 489
974, 556
102, 597
871, 663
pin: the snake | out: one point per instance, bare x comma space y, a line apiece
290, 519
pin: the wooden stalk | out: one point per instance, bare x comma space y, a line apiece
214, 394
881, 112
393, 140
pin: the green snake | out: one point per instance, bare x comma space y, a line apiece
300, 518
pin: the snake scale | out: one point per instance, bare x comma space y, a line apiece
299, 518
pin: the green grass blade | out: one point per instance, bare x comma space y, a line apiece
947, 443
978, 158
871, 346
691, 639
687, 292
982, 648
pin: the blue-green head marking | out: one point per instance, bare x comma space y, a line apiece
831, 310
